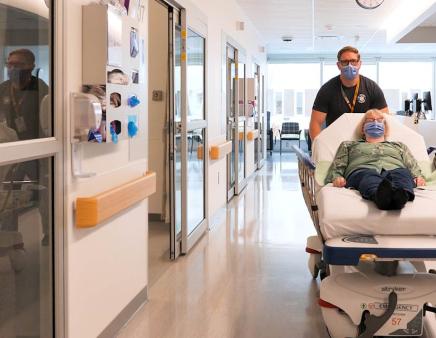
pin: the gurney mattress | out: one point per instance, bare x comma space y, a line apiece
344, 212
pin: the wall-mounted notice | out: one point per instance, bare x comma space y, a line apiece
115, 38
134, 42
135, 76
135, 9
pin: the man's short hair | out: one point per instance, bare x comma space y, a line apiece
348, 49
26, 54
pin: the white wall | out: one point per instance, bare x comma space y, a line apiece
219, 19
157, 110
106, 266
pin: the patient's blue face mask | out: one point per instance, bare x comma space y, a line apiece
374, 129
350, 72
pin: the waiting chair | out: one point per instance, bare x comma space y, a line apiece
290, 131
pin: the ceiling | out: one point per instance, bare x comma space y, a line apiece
324, 26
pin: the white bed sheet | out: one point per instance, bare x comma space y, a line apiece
344, 212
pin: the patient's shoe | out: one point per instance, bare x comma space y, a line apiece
383, 195
399, 199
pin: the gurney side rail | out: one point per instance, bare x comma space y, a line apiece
306, 172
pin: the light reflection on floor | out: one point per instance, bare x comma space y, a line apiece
247, 277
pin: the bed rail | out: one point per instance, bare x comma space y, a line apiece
306, 172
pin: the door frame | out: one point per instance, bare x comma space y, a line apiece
60, 212
231, 192
52, 148
241, 183
182, 244
190, 239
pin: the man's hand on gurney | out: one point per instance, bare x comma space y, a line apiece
419, 181
339, 182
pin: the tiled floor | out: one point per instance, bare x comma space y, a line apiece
247, 276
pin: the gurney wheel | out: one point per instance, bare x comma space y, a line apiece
339, 324
314, 264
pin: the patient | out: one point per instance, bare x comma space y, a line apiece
384, 172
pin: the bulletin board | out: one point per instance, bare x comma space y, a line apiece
112, 56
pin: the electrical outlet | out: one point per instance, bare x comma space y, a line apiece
157, 95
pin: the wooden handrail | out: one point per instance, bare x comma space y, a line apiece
252, 134
219, 151
91, 211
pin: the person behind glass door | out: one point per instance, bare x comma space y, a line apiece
21, 96
20, 101
348, 92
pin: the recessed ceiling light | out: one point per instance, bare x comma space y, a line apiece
329, 37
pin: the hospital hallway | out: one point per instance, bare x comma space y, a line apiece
248, 276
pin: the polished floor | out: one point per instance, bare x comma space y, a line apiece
247, 276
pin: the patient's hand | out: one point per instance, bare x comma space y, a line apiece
339, 182
420, 181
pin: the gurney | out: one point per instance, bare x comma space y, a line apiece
356, 243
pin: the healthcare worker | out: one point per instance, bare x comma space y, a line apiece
348, 92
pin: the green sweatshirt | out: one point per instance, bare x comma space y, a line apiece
353, 155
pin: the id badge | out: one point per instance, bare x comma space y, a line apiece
20, 124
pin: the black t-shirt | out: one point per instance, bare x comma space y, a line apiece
329, 99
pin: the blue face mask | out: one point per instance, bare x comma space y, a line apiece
374, 129
350, 72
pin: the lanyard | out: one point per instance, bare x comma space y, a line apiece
16, 104
356, 91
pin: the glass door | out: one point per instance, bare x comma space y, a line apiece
260, 119
175, 113
188, 134
194, 117
30, 174
242, 128
231, 99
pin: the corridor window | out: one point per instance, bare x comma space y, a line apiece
195, 74
290, 83
400, 80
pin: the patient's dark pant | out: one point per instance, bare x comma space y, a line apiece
368, 180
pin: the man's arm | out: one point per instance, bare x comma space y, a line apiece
316, 120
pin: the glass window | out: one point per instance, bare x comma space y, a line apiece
400, 80
26, 266
195, 178
289, 83
195, 76
241, 76
24, 88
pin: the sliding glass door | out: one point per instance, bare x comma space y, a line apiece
188, 134
30, 174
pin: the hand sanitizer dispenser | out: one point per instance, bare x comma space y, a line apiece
86, 115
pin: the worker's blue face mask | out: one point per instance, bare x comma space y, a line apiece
374, 129
350, 72
19, 76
